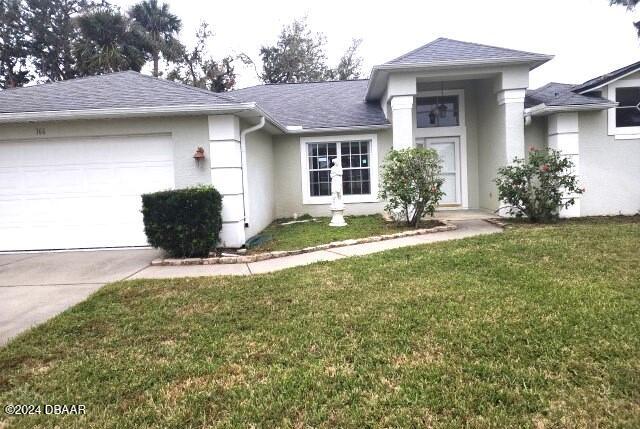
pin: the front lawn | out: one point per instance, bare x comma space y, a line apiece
313, 232
534, 328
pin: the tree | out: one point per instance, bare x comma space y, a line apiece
411, 183
350, 64
196, 68
13, 45
107, 43
297, 56
52, 34
219, 76
159, 28
537, 187
630, 5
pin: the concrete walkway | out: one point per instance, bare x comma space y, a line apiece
466, 228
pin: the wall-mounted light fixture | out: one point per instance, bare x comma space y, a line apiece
199, 155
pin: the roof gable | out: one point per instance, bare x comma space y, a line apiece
607, 78
443, 50
560, 94
122, 90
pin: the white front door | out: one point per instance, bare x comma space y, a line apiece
448, 149
81, 192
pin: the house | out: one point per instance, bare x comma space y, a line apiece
76, 155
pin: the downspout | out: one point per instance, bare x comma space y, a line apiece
243, 163
527, 117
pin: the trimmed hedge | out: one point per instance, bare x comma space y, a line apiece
184, 222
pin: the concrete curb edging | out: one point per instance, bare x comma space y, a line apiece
243, 259
497, 222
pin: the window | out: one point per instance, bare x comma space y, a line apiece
623, 121
628, 110
440, 111
359, 157
355, 157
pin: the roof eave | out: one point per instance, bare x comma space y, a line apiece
337, 129
134, 112
584, 89
534, 61
544, 110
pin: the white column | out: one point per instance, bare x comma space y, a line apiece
564, 137
226, 176
402, 121
513, 102
511, 108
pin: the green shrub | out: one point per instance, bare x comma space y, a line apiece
183, 222
411, 183
538, 187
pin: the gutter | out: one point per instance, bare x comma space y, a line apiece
243, 165
62, 115
479, 61
132, 112
159, 111
300, 130
543, 110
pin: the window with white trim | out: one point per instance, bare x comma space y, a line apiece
438, 111
623, 121
628, 110
355, 156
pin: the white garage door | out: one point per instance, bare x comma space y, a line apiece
80, 192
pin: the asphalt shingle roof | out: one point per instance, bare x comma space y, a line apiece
560, 94
115, 90
316, 104
601, 80
446, 50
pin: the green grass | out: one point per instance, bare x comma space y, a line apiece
534, 328
316, 232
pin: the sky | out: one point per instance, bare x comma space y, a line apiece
587, 37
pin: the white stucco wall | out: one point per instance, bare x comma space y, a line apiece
260, 179
187, 133
535, 134
288, 178
609, 169
491, 144
471, 117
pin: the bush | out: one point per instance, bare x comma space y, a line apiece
183, 222
411, 183
537, 187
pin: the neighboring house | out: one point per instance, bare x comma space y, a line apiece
76, 155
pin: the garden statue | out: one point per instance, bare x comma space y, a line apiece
337, 205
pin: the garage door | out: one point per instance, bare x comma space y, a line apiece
80, 192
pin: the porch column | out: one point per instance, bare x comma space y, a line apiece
402, 117
226, 176
564, 137
512, 100
511, 109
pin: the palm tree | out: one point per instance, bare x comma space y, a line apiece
159, 27
107, 43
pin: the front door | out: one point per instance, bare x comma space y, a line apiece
448, 149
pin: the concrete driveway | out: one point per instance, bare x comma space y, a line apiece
36, 286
